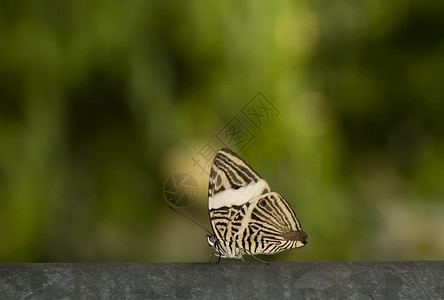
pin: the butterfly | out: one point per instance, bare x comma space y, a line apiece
246, 217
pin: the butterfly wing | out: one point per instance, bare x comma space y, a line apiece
233, 183
267, 225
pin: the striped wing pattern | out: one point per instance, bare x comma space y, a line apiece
245, 216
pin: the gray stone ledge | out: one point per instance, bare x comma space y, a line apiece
278, 280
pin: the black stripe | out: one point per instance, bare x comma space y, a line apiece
220, 217
262, 215
236, 170
295, 219
246, 169
281, 213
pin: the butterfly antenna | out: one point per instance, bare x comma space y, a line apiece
187, 215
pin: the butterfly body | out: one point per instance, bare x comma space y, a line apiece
245, 216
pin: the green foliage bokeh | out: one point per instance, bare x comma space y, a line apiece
101, 101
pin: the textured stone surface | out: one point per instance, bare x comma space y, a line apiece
279, 280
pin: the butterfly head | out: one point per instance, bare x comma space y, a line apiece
211, 239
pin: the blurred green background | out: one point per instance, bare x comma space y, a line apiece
102, 101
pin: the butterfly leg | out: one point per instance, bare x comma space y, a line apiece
211, 256
262, 261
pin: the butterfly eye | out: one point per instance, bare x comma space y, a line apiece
263, 202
